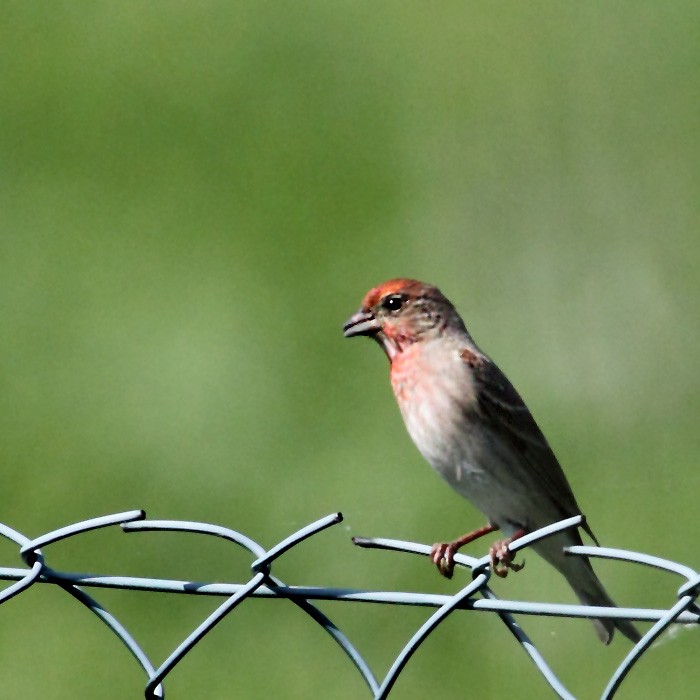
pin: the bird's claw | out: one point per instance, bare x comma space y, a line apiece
442, 554
502, 558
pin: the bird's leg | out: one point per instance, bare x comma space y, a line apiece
502, 557
442, 554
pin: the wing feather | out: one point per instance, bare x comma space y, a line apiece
509, 417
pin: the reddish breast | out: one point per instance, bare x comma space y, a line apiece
409, 374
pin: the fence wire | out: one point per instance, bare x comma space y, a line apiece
476, 595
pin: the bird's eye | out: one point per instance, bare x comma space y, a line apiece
393, 302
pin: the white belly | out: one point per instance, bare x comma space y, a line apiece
453, 440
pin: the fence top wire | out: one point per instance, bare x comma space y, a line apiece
475, 596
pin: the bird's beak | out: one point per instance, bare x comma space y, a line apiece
361, 323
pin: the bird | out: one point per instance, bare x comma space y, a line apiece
471, 425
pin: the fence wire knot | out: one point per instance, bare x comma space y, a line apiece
263, 584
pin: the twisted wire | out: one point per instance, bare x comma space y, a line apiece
475, 596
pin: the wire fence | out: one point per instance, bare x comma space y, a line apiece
476, 595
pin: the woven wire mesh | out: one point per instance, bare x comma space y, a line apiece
475, 596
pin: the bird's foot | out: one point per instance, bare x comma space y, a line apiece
442, 554
502, 559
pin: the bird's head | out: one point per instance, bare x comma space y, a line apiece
401, 312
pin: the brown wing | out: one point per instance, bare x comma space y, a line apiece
508, 415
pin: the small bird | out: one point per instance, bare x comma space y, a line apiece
473, 428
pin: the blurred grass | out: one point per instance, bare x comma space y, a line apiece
195, 196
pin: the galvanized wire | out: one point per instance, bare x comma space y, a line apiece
476, 595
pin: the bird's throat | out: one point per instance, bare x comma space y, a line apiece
408, 372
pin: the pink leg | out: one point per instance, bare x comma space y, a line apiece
443, 553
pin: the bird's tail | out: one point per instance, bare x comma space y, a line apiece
590, 591
581, 577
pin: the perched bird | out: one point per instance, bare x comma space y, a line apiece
473, 428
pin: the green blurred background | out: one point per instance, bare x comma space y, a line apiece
194, 198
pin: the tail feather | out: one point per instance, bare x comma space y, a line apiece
591, 592
581, 577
